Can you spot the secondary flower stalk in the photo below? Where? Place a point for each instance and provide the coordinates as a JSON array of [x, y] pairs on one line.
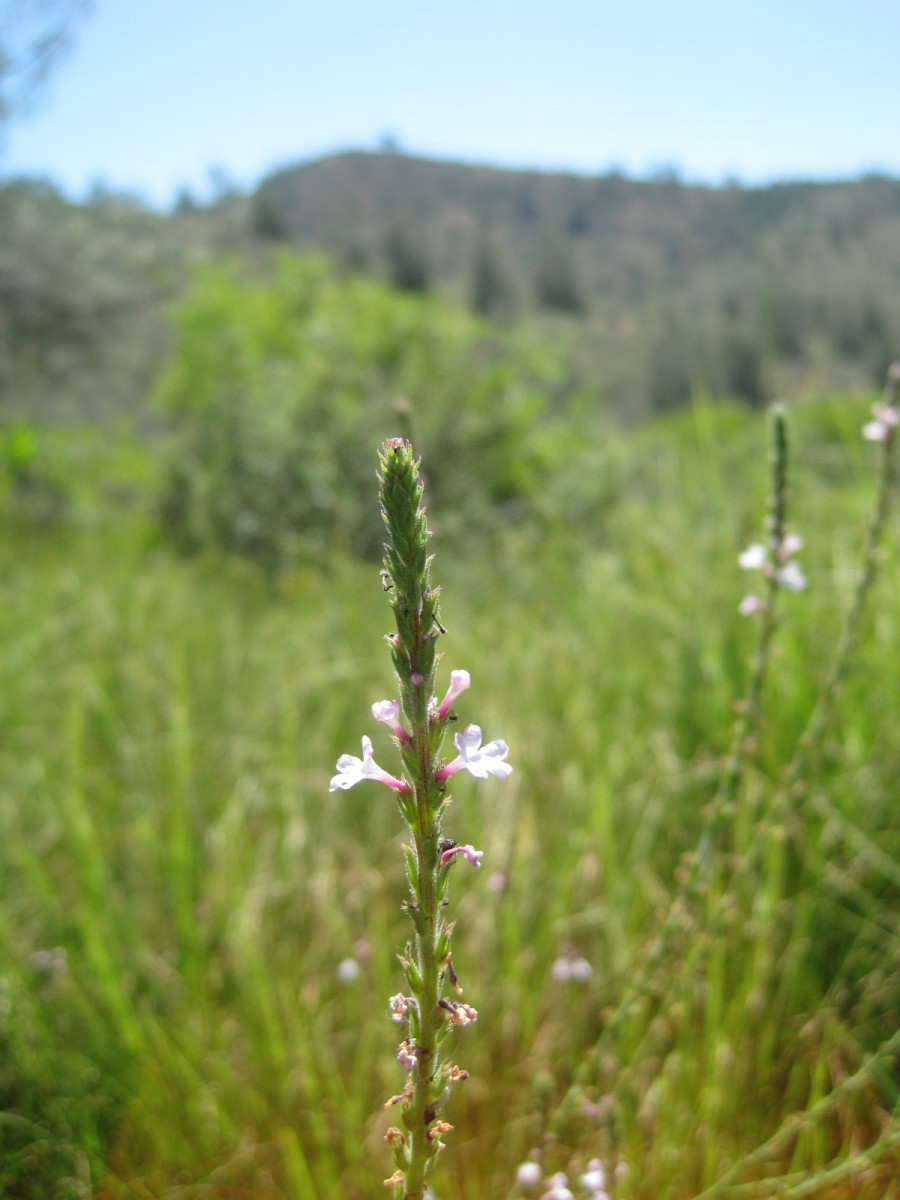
[[418, 723]]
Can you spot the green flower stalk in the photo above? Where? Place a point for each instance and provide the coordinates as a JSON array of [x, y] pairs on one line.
[[418, 723]]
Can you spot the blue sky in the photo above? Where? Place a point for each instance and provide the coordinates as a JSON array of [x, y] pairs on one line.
[[154, 95]]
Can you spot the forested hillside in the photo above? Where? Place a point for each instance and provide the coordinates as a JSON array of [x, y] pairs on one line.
[[667, 285], [652, 289]]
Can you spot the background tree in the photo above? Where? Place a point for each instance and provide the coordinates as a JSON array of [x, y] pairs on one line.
[[33, 37], [556, 283], [408, 263], [491, 289]]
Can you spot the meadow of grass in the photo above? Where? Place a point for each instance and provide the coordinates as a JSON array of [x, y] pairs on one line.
[[180, 889]]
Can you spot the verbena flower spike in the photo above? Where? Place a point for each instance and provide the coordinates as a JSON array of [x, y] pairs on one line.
[[418, 723]]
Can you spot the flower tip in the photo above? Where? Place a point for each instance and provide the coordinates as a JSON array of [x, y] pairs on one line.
[[459, 682]]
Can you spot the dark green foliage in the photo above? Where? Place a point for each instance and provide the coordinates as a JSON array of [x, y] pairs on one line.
[[81, 292], [31, 494], [491, 289], [556, 284], [671, 362], [782, 287], [406, 251], [267, 220]]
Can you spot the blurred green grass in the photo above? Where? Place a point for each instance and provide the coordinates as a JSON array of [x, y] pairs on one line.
[[169, 729]]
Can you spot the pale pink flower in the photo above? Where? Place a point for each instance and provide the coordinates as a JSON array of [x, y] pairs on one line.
[[791, 544], [559, 1189], [459, 681], [571, 966], [468, 852], [750, 604], [478, 760], [353, 770], [388, 712]]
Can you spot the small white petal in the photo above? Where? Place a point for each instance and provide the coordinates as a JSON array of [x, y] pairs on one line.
[[479, 760], [753, 557], [353, 770], [791, 577], [350, 772]]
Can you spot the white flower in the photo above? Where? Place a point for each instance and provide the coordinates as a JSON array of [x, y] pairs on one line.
[[594, 1178], [787, 574], [753, 558], [478, 760], [791, 577], [528, 1175], [353, 770], [886, 419], [348, 970], [559, 1189]]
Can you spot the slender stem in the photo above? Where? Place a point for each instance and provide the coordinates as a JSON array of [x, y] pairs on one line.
[[418, 1118], [414, 602], [678, 917]]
